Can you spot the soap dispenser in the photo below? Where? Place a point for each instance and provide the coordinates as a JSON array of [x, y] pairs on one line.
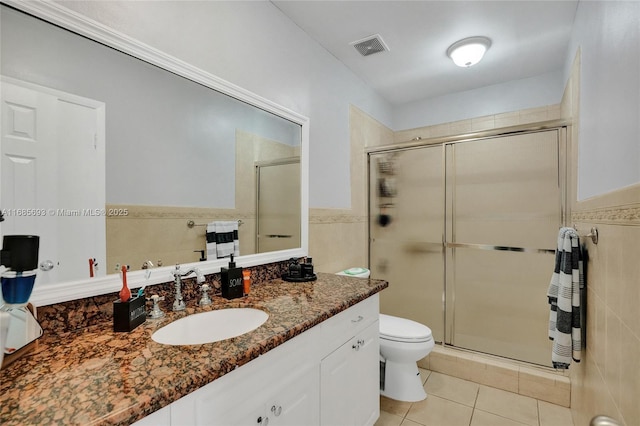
[[232, 285]]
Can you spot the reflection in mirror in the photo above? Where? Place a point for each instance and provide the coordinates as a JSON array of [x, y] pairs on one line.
[[22, 329], [138, 153]]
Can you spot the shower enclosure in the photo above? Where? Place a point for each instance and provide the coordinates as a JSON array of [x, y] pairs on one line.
[[465, 231]]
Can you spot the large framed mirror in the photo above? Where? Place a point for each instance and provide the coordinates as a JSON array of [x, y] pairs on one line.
[[143, 154]]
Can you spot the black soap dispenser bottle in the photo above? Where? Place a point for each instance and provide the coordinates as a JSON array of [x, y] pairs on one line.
[[232, 285]]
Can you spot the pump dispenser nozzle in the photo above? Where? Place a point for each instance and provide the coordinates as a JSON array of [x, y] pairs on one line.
[[232, 264]]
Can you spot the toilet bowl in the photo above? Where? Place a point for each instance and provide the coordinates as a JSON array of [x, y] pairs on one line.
[[402, 343]]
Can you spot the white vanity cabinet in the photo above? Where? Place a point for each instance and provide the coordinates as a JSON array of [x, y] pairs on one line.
[[350, 381], [286, 378], [327, 375], [350, 375]]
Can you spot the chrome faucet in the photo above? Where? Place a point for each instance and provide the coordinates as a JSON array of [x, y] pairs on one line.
[[178, 303]]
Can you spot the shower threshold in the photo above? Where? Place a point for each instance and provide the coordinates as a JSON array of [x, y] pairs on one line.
[[526, 379]]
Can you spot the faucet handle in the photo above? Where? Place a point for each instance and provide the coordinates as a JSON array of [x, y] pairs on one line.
[[156, 312], [205, 300]]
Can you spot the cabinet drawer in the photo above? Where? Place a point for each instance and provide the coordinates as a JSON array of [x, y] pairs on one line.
[[343, 326]]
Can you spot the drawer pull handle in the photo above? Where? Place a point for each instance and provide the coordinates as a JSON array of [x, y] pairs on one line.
[[276, 410], [360, 318]]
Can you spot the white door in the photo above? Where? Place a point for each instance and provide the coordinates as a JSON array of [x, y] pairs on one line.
[[278, 207], [52, 159]]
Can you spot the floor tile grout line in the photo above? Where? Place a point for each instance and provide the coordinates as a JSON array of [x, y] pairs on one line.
[[538, 421]]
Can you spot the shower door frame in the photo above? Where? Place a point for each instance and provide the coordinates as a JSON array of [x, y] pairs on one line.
[[563, 144]]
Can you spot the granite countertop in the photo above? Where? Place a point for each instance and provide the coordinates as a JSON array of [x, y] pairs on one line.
[[98, 376]]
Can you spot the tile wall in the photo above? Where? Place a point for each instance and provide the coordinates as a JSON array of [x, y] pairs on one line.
[[607, 381]]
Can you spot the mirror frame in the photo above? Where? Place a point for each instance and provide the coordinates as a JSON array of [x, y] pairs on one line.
[[84, 26]]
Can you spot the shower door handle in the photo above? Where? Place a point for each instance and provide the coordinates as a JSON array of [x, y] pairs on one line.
[[499, 248], [423, 247]]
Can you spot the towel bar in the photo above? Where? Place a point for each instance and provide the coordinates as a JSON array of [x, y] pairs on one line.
[[593, 234], [191, 223]]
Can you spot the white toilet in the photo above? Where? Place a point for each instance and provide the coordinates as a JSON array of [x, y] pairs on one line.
[[402, 343]]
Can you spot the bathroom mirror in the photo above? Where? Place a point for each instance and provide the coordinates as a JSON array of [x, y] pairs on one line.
[[181, 149]]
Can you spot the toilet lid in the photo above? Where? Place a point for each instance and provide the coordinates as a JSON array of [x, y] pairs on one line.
[[403, 330]]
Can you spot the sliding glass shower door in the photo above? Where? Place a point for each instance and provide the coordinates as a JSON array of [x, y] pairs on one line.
[[406, 233], [503, 214], [465, 232]]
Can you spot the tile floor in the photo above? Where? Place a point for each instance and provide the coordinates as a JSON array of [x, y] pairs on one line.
[[456, 402]]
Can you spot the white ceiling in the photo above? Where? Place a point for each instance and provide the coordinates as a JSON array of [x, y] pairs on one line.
[[529, 38]]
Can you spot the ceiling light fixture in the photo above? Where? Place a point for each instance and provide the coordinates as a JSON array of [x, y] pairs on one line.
[[468, 51]]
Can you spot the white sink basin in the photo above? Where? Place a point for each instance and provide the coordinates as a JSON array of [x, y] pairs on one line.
[[209, 327]]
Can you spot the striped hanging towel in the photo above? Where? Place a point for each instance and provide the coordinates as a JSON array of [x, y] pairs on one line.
[[564, 292], [222, 239]]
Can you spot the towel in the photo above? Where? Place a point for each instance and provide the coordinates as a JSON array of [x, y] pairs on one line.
[[222, 239], [567, 282]]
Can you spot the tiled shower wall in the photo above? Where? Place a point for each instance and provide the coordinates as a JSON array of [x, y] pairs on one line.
[[607, 381]]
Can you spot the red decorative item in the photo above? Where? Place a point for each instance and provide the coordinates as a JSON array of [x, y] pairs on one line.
[[125, 293]]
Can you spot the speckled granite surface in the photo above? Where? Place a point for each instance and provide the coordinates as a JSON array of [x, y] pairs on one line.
[[96, 376]]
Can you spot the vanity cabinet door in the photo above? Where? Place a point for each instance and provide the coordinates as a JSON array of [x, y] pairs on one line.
[[368, 375], [296, 402], [350, 381], [286, 377], [284, 401]]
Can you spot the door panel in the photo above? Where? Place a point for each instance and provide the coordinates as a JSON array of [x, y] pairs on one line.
[[63, 196], [500, 303], [407, 252], [278, 207], [504, 214], [507, 191]]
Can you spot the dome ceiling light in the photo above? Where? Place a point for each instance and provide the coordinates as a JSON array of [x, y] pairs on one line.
[[468, 51]]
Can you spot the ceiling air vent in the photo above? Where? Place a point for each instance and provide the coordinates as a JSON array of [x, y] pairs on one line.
[[370, 45]]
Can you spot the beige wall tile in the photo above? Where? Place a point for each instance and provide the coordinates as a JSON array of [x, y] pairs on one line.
[[630, 376], [630, 279], [613, 355], [534, 115], [412, 134], [460, 127], [483, 123], [336, 246], [496, 374], [544, 388], [445, 364], [507, 119]]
